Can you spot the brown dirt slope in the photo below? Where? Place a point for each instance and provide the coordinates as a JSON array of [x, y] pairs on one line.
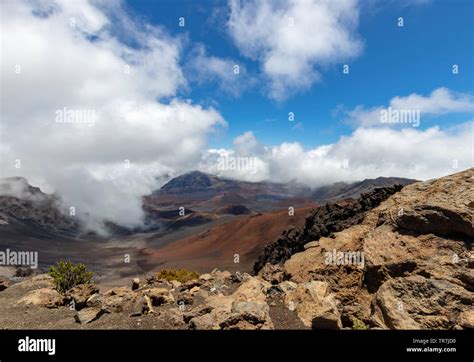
[[245, 235]]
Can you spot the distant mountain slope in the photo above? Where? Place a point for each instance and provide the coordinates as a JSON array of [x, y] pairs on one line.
[[190, 182], [244, 235], [234, 210], [26, 210], [197, 189], [226, 199], [29, 211], [207, 185], [341, 190]]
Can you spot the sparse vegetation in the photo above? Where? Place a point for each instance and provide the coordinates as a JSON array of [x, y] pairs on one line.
[[66, 275], [181, 275], [358, 324]]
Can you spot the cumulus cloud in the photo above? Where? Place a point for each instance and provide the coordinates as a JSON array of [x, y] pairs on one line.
[[230, 75], [90, 116], [441, 101], [293, 39], [247, 144], [366, 153]]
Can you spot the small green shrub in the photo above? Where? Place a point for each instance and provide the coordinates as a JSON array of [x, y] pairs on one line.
[[67, 275], [358, 324], [181, 275]]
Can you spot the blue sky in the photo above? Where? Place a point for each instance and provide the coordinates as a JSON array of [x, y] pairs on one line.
[[395, 61]]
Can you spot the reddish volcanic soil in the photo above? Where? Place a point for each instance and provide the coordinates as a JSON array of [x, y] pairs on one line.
[[245, 235]]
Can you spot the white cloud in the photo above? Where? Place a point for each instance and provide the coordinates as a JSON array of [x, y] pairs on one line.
[[247, 144], [86, 67], [441, 101], [366, 153], [229, 74], [293, 39]]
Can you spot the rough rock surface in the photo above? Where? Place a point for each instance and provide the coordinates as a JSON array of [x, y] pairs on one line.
[[81, 294], [89, 315], [43, 297], [416, 302], [316, 307], [413, 274]]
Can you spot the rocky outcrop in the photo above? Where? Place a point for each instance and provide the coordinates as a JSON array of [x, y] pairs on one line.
[[416, 302], [80, 295], [159, 296], [323, 221], [43, 297], [316, 307], [407, 265], [246, 308]]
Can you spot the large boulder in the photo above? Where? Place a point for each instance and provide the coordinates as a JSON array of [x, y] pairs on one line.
[[138, 306], [252, 289], [272, 273], [88, 315], [218, 309], [345, 280], [80, 294], [416, 302], [315, 305], [225, 312], [435, 219], [466, 319], [159, 296], [42, 297], [120, 299], [248, 315]]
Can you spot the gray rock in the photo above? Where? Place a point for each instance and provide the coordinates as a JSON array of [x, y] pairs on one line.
[[89, 315], [94, 301], [258, 309], [138, 307]]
